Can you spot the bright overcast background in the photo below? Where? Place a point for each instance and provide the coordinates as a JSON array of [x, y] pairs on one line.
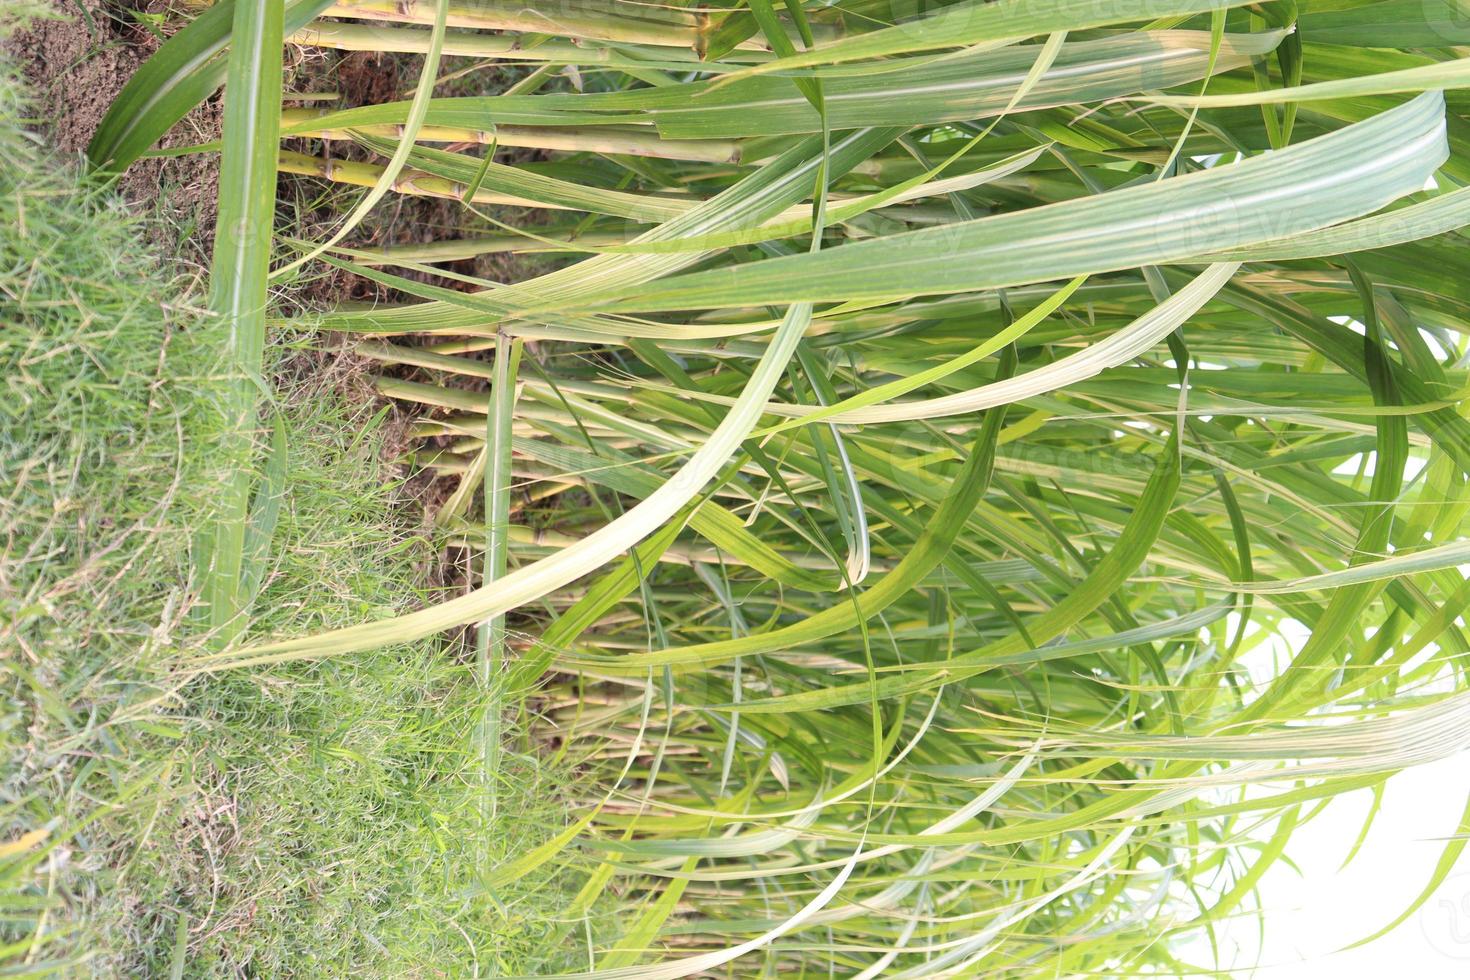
[[1316, 909], [1314, 906]]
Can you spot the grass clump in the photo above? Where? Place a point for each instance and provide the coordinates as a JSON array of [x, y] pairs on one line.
[[332, 813], [318, 820]]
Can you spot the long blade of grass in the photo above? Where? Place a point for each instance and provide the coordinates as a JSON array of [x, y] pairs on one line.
[[490, 634], [243, 237], [1393, 154]]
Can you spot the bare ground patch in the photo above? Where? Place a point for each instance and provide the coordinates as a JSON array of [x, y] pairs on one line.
[[76, 62]]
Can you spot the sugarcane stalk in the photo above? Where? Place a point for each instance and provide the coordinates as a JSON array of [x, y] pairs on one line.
[[658, 26], [411, 182], [593, 20], [679, 553], [468, 248], [632, 142], [472, 44]]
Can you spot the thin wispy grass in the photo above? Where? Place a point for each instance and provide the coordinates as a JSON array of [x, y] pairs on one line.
[[151, 822]]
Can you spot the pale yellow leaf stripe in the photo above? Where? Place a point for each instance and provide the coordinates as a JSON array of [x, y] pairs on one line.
[[530, 582], [1128, 343]]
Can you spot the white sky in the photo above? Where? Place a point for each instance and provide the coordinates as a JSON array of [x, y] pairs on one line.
[[1317, 907], [1312, 914]]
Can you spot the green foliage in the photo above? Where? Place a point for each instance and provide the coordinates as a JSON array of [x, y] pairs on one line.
[[320, 821], [905, 606], [90, 460]]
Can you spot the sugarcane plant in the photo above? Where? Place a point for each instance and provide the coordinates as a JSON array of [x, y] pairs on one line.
[[893, 497]]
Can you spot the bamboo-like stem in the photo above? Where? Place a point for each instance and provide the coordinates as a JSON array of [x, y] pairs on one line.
[[540, 404], [434, 395], [677, 553], [490, 637], [418, 183], [421, 184], [632, 142], [460, 399], [589, 19], [412, 182], [593, 20], [420, 357], [463, 345], [472, 44], [468, 248]]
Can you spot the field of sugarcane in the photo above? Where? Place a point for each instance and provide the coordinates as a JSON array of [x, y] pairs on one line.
[[879, 499]]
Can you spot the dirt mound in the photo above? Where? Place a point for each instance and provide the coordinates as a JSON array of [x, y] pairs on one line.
[[76, 62]]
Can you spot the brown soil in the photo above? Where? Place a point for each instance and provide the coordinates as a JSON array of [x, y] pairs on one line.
[[76, 63]]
